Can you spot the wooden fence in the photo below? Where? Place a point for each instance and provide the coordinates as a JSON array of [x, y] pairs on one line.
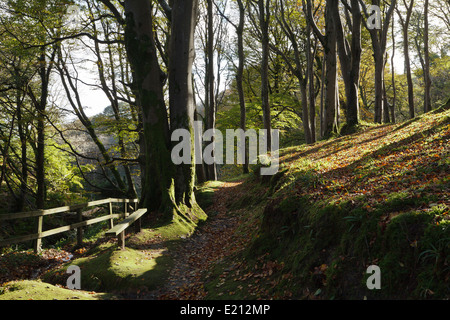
[[40, 214]]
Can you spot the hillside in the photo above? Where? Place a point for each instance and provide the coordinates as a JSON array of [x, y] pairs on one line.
[[380, 196]]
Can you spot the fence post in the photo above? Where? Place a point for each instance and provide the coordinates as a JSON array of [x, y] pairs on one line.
[[111, 221], [126, 208], [38, 242], [80, 229], [137, 226], [121, 240], [137, 223]]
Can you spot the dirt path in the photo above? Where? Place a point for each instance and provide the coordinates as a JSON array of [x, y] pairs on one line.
[[193, 258]]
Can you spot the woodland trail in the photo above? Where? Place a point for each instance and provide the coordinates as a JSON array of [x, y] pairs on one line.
[[208, 245]]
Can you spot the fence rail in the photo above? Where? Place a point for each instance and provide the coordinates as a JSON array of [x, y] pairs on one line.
[[39, 214]]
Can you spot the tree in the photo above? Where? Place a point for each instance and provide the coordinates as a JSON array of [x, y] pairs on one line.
[[17, 75], [211, 64], [394, 89], [239, 27], [210, 99], [167, 188], [264, 16], [184, 13], [109, 152], [36, 41], [426, 67], [329, 116], [349, 55], [379, 42], [108, 70], [404, 21], [157, 188], [296, 65], [240, 75]]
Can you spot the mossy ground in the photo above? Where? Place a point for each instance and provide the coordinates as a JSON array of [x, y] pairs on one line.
[[38, 290], [119, 271]]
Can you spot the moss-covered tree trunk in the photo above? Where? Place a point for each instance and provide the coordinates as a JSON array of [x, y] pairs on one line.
[[181, 95], [157, 188]]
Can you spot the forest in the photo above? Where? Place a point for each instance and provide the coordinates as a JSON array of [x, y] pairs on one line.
[[237, 149]]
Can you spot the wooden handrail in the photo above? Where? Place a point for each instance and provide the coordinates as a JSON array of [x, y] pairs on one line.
[[74, 208], [62, 229], [119, 229], [126, 223]]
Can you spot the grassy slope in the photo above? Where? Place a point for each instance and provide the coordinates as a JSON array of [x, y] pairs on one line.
[[38, 290], [380, 196]]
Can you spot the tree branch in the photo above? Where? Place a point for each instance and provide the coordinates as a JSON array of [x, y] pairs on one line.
[[114, 11]]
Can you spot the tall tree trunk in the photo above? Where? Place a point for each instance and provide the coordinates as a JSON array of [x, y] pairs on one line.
[[412, 113], [210, 92], [44, 75], [167, 187], [379, 106], [264, 20], [305, 112], [298, 71], [386, 112], [40, 161], [40, 106], [405, 26], [157, 189], [312, 95], [394, 89], [322, 98], [331, 98], [23, 156], [200, 171], [379, 39], [426, 71], [181, 94], [350, 59], [199, 164], [329, 115], [240, 77]]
